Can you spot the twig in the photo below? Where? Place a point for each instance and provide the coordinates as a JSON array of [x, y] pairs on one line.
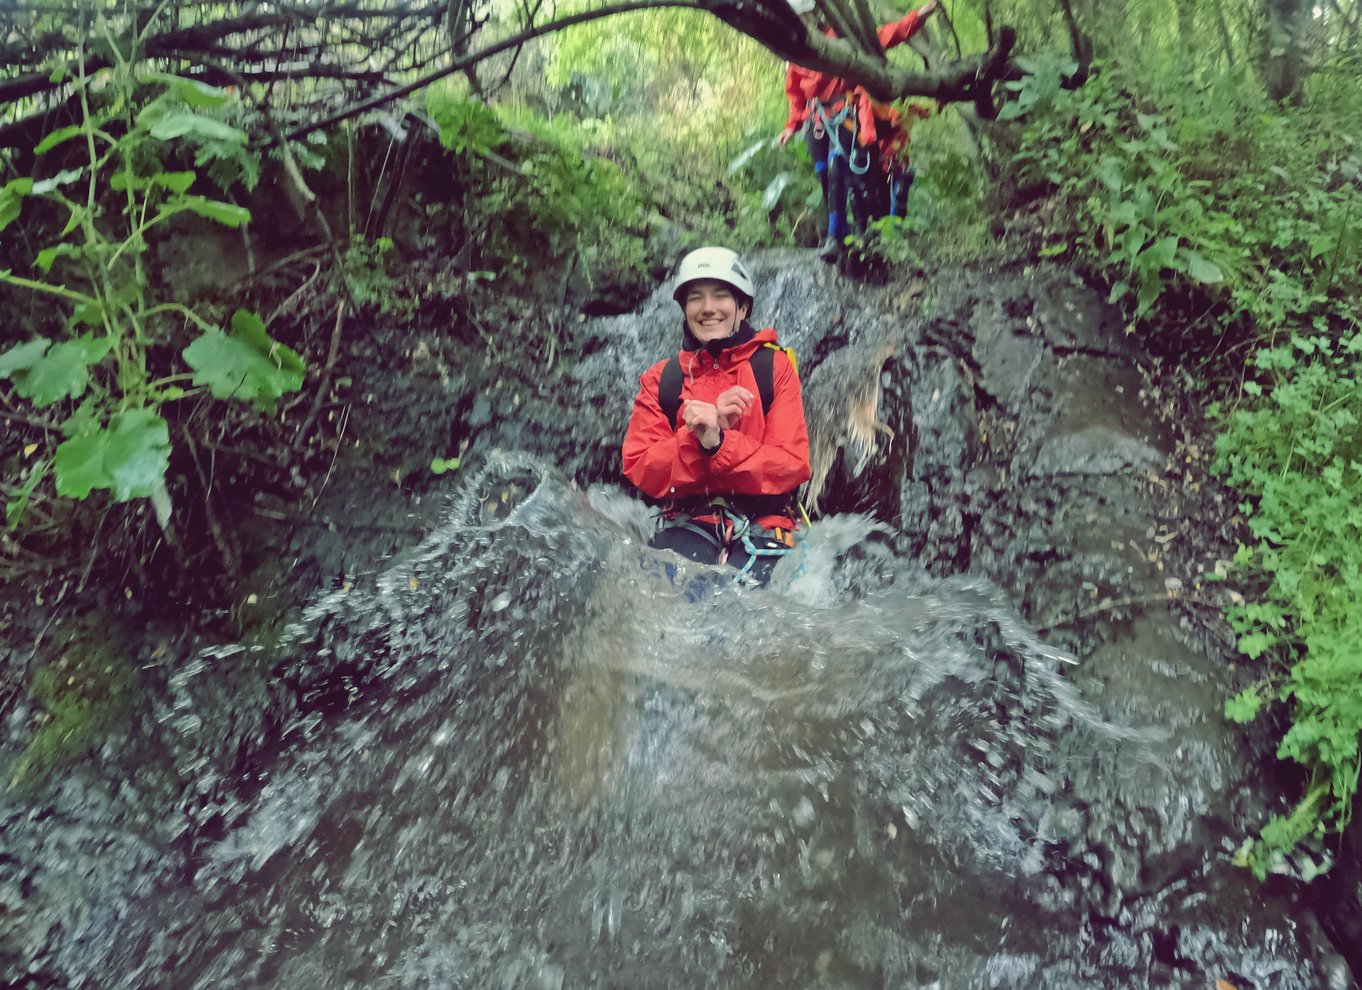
[[300, 437], [1108, 606], [30, 421], [220, 539], [335, 453]]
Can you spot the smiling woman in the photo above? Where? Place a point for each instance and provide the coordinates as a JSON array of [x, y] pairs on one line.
[[712, 310], [723, 466]]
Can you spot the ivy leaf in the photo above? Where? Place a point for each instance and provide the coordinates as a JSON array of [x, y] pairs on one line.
[[176, 182], [167, 125], [59, 136], [227, 214], [190, 91], [247, 365], [130, 458], [1205, 272], [64, 372], [22, 357]]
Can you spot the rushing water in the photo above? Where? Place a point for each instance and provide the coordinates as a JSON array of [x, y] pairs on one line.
[[533, 753], [566, 766]]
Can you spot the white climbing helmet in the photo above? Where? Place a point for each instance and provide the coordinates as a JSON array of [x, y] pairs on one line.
[[800, 6], [717, 263]]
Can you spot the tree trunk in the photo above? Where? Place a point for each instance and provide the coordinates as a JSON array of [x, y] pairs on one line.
[[1226, 42], [1283, 69]]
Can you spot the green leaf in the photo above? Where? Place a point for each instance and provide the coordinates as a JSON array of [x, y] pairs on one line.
[[15, 508], [1243, 707], [176, 182], [48, 256], [190, 91], [63, 178], [247, 365], [64, 372], [87, 314], [1011, 111], [771, 194], [59, 136], [123, 181], [1205, 272], [130, 458], [743, 159], [83, 420], [1160, 253], [22, 357], [227, 214], [73, 220], [440, 465], [12, 199], [166, 125]]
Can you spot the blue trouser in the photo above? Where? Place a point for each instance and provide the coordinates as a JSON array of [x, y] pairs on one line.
[[831, 169]]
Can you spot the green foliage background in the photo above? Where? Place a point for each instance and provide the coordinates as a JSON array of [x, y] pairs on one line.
[[1226, 223]]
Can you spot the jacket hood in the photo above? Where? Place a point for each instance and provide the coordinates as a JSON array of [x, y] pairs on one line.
[[728, 351], [690, 342]]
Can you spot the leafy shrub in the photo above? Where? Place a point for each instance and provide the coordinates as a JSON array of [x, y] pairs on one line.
[[115, 192], [1203, 186], [541, 193], [1297, 457], [1136, 207]]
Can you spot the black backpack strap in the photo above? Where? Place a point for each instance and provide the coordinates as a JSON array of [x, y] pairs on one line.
[[763, 370], [669, 390]]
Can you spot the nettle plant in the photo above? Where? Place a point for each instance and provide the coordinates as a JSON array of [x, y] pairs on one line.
[[96, 265], [1296, 453], [1140, 211]]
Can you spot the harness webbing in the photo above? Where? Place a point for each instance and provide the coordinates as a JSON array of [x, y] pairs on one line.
[[831, 125], [733, 526]]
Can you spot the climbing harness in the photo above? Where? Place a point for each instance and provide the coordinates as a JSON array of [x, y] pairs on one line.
[[731, 527], [831, 126], [731, 524]]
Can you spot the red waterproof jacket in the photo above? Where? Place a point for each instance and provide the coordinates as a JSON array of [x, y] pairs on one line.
[[805, 85], [764, 454]]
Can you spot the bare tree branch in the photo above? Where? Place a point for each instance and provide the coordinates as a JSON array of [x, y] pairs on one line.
[[299, 42]]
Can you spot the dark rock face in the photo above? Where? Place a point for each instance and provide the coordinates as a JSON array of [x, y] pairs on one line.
[[907, 786], [1339, 897]]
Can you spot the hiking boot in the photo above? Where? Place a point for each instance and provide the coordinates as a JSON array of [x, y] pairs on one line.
[[830, 250]]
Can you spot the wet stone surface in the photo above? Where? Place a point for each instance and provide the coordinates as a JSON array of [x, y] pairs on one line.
[[970, 737]]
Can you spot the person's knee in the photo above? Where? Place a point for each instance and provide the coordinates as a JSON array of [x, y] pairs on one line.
[[687, 542]]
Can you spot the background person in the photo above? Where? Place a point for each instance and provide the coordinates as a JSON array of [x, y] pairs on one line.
[[841, 122]]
